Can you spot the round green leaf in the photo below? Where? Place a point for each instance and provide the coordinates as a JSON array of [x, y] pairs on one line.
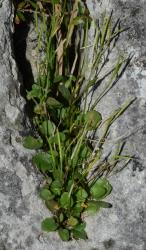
[[54, 139], [65, 92], [45, 194], [56, 174], [39, 109], [81, 195], [98, 192], [101, 189], [92, 207], [35, 92], [77, 209], [79, 231], [52, 205], [49, 225], [64, 234], [65, 200], [47, 128], [53, 103], [80, 227], [32, 143], [79, 234], [72, 221], [56, 187], [93, 118], [43, 161]]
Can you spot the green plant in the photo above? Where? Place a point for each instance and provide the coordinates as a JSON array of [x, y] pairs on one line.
[[75, 172], [21, 7], [25, 7]]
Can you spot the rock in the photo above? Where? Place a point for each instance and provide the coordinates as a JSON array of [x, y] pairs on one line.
[[21, 210], [123, 226], [19, 223]]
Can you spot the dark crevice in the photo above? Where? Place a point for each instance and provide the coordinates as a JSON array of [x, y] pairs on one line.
[[24, 66], [25, 74]]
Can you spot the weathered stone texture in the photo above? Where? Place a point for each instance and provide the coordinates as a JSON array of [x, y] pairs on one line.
[[124, 226]]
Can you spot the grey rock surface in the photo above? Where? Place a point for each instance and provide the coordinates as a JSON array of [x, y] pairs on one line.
[[124, 226]]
